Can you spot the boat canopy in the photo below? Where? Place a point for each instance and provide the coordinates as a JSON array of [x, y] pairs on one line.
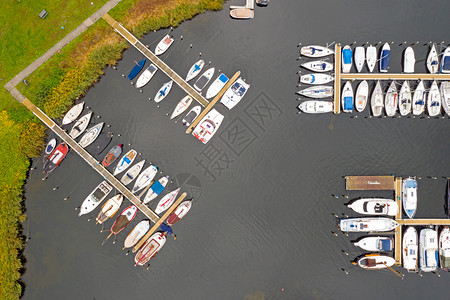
[[347, 56], [411, 184], [348, 103], [431, 257], [385, 57], [238, 89], [446, 63], [157, 187], [223, 78], [385, 245]]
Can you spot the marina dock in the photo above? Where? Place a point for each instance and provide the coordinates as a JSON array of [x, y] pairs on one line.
[[337, 78], [369, 183], [155, 60]]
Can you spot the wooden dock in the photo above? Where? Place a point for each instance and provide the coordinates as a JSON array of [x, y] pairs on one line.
[[155, 60], [394, 76], [95, 164], [369, 183], [398, 231], [337, 78]]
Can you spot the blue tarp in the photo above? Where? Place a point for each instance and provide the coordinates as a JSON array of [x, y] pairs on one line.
[[347, 56], [385, 245], [166, 228], [446, 64], [136, 69], [411, 183], [385, 57], [157, 187], [348, 103], [223, 78]]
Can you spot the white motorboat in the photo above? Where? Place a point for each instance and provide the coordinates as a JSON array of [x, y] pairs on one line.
[[195, 70], [145, 77], [208, 126], [374, 206], [409, 60], [95, 198], [145, 178], [203, 80], [405, 99], [376, 243], [136, 234], [361, 96], [90, 135], [377, 100], [367, 224], [316, 78], [181, 106], [445, 96], [347, 59], [410, 246], [385, 57], [445, 61], [347, 98], [433, 60], [156, 189], [316, 106], [375, 261], [80, 125], [409, 196], [317, 91], [315, 51], [216, 86], [434, 100], [51, 145], [418, 101], [192, 115], [163, 91], [444, 249], [109, 209], [428, 250], [360, 58], [166, 201], [318, 66], [390, 101], [234, 93], [132, 173], [163, 45], [125, 161], [73, 113], [371, 57]]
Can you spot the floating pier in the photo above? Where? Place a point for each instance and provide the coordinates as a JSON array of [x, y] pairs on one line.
[[337, 78], [369, 183]]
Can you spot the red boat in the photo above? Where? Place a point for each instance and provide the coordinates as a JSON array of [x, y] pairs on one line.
[[179, 212], [55, 158]]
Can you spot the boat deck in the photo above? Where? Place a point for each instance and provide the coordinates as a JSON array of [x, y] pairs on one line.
[[249, 4], [369, 183]]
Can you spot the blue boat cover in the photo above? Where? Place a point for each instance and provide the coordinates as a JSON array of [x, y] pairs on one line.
[[385, 57], [446, 63], [157, 187], [385, 245], [223, 78], [166, 228], [136, 69], [411, 184], [347, 56], [348, 103]]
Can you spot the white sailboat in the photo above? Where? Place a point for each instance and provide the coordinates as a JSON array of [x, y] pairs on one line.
[[316, 106], [360, 58], [391, 99], [132, 173], [362, 95], [73, 113], [376, 101], [434, 100], [315, 51], [163, 91], [409, 60], [418, 101], [405, 99], [433, 60], [371, 57], [318, 66], [316, 78], [445, 95]]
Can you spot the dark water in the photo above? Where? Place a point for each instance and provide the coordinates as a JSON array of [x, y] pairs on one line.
[[261, 226]]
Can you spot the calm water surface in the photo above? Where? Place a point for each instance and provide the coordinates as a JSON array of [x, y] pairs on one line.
[[261, 223]]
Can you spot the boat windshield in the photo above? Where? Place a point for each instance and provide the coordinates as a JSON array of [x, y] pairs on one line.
[[152, 68], [446, 63], [97, 195]]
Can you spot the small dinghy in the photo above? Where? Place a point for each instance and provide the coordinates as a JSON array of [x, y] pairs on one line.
[[50, 146], [149, 249], [375, 261], [166, 201], [132, 173], [80, 126], [179, 212], [374, 206], [145, 178], [371, 57], [192, 115], [315, 51], [73, 113], [418, 101], [318, 91], [445, 96], [433, 60], [216, 86], [390, 103], [195, 70], [385, 57], [361, 96], [445, 61], [318, 66], [156, 189], [405, 99], [376, 243], [367, 224], [91, 135], [136, 69], [434, 100], [95, 198], [409, 60], [316, 106], [203, 80], [181, 106], [409, 196], [377, 100], [208, 126], [109, 209], [410, 246], [444, 249], [125, 161], [55, 158], [235, 93], [360, 58], [101, 143], [136, 234], [347, 58], [316, 78], [428, 250], [112, 155], [163, 45], [347, 98], [146, 76], [123, 220], [242, 13], [163, 91]]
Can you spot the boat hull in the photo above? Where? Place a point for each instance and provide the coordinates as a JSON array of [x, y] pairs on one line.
[[376, 243], [55, 158], [375, 206], [362, 96], [367, 224], [316, 106], [109, 209], [410, 247], [156, 189], [95, 198], [377, 100], [234, 94], [136, 233], [125, 161], [375, 262], [179, 212], [91, 135], [208, 126], [136, 69], [124, 219], [73, 114], [166, 201], [315, 51], [112, 155], [428, 250], [149, 249], [409, 196], [80, 126]]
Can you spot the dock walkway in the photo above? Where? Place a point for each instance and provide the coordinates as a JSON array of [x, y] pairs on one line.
[[155, 60], [337, 78]]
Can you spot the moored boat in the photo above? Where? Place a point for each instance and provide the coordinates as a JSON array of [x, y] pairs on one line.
[[316, 78], [375, 261], [163, 91], [51, 145], [91, 135], [208, 126], [55, 158], [317, 91], [376, 243], [125, 161], [123, 220], [377, 100], [410, 246], [195, 70], [163, 45], [234, 93], [145, 178], [434, 100], [136, 69], [146, 76], [409, 196], [166, 201], [409, 60], [385, 57], [150, 248], [318, 66], [80, 125], [109, 209], [95, 198], [242, 13], [132, 172], [347, 98], [112, 155], [445, 95], [390, 101], [316, 106], [445, 61], [73, 113], [101, 142], [136, 234], [315, 51], [444, 249], [374, 206], [433, 60], [361, 96], [181, 106], [156, 189], [347, 58], [367, 224], [192, 115], [405, 99], [216, 86], [203, 80], [179, 212], [360, 58], [371, 57], [428, 250], [418, 101]]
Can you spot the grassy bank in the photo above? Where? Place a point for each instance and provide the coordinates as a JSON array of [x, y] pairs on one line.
[[55, 86]]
